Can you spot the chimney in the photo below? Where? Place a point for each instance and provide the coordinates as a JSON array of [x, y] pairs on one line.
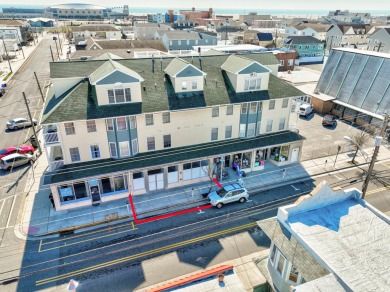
[[153, 64]]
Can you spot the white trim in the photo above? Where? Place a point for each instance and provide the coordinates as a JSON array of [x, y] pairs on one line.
[[117, 127], [128, 148], [116, 150], [139, 78]]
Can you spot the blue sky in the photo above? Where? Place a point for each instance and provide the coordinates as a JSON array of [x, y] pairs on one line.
[[352, 5]]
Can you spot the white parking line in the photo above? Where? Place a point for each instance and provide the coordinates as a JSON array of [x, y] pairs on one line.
[[1, 209], [10, 212], [295, 189]]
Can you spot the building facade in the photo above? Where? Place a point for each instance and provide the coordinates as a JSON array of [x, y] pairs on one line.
[[185, 40], [109, 32], [347, 35], [309, 49], [77, 11], [379, 41], [139, 125]]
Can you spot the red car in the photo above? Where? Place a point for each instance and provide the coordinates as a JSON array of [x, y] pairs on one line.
[[21, 150]]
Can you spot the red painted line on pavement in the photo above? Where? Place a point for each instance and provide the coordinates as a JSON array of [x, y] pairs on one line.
[[217, 182], [159, 217], [191, 278]]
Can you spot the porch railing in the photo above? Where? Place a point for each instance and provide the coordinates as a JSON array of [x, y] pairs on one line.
[[53, 165], [51, 138]]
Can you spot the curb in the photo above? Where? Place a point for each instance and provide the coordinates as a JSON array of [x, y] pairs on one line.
[[144, 214]]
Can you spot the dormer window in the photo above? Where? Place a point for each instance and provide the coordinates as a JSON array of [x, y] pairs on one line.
[[121, 95], [252, 83]]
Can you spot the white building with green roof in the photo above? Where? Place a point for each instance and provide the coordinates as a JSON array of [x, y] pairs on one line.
[[114, 126]]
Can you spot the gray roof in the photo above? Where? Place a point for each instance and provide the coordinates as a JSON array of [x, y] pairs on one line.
[[181, 35], [162, 97], [76, 171], [301, 39], [110, 66], [146, 24], [318, 27], [113, 54], [235, 63], [357, 78], [212, 52], [326, 283], [93, 28], [343, 233]]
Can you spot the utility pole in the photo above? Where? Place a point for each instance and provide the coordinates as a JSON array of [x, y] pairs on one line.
[[58, 53], [378, 143], [32, 124], [52, 57], [6, 52], [59, 41], [39, 86]]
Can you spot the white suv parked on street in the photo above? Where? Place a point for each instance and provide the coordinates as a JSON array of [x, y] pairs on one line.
[[228, 194]]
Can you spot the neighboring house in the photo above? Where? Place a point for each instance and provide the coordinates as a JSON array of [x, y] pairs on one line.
[[250, 18], [347, 35], [16, 28], [258, 38], [270, 23], [156, 17], [147, 31], [109, 32], [286, 59], [346, 16], [183, 24], [327, 241], [140, 125], [316, 30], [379, 41], [194, 14], [125, 45], [359, 82], [309, 49], [185, 40]]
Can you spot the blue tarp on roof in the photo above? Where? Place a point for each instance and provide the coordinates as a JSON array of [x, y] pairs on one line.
[[265, 36]]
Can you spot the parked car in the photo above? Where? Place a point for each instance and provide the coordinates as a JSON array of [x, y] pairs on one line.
[[329, 120], [228, 194], [14, 160], [2, 92], [305, 109], [21, 150], [20, 123]]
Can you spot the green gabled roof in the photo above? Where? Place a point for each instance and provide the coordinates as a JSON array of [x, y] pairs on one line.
[[80, 103], [157, 91], [110, 66], [71, 103], [77, 171], [236, 63]]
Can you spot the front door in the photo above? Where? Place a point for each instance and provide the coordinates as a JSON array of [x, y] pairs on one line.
[[156, 180], [94, 190], [294, 155]]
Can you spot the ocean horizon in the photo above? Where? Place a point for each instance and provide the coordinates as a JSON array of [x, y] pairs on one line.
[[279, 12]]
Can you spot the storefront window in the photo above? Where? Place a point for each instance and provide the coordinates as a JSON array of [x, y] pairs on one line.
[[280, 153], [246, 160], [260, 157]]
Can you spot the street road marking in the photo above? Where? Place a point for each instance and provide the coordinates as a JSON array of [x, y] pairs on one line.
[[339, 178], [295, 189], [378, 190], [86, 240], [142, 254], [384, 164], [10, 212]]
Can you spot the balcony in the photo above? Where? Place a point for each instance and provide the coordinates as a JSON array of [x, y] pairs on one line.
[[54, 157], [50, 134]]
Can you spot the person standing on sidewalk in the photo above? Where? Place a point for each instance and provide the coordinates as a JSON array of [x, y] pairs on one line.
[[52, 200], [284, 172]]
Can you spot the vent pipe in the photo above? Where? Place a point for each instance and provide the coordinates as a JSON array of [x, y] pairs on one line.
[[153, 64], [200, 59]]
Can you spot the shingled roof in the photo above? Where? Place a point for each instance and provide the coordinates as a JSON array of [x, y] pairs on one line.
[[159, 94]]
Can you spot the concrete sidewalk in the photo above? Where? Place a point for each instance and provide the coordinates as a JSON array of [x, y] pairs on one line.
[[38, 218]]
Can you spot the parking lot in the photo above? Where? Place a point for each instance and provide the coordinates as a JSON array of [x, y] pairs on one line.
[[321, 141]]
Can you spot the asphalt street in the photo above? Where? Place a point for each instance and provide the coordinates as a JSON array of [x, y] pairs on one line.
[[12, 184], [126, 257]]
